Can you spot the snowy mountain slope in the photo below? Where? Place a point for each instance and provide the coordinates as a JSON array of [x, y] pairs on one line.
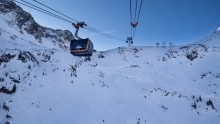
[[123, 85], [213, 40], [14, 19]]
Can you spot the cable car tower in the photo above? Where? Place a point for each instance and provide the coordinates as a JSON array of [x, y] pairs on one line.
[[129, 41]]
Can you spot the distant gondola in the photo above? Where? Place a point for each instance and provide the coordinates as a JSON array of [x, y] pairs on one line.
[[79, 46]]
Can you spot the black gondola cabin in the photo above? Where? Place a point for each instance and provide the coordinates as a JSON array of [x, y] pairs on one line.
[[81, 47]]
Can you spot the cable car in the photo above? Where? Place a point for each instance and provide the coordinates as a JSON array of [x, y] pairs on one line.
[[79, 46]]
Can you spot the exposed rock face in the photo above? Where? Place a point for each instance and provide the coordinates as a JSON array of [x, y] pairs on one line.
[[6, 58], [23, 21], [27, 56]]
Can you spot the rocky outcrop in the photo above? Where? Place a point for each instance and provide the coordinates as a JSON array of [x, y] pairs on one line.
[[6, 58], [25, 56], [7, 91], [23, 21]]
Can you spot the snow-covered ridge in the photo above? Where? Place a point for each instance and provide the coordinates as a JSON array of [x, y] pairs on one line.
[[14, 19], [217, 31], [213, 40]]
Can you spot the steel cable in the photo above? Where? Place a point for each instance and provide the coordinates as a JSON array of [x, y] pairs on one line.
[[54, 10], [91, 29], [46, 12], [56, 16]]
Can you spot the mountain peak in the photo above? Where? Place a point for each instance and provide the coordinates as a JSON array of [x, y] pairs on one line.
[[23, 24], [213, 40], [217, 30]]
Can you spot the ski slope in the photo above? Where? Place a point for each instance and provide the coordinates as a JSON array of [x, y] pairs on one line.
[[126, 85]]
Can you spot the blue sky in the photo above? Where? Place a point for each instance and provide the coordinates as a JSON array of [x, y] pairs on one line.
[[177, 21]]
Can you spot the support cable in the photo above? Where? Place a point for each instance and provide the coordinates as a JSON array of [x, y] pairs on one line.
[[46, 12], [56, 16], [89, 28], [54, 10], [139, 10], [133, 25], [135, 11]]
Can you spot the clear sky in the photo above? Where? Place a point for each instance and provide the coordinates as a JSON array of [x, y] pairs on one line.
[[177, 21]]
